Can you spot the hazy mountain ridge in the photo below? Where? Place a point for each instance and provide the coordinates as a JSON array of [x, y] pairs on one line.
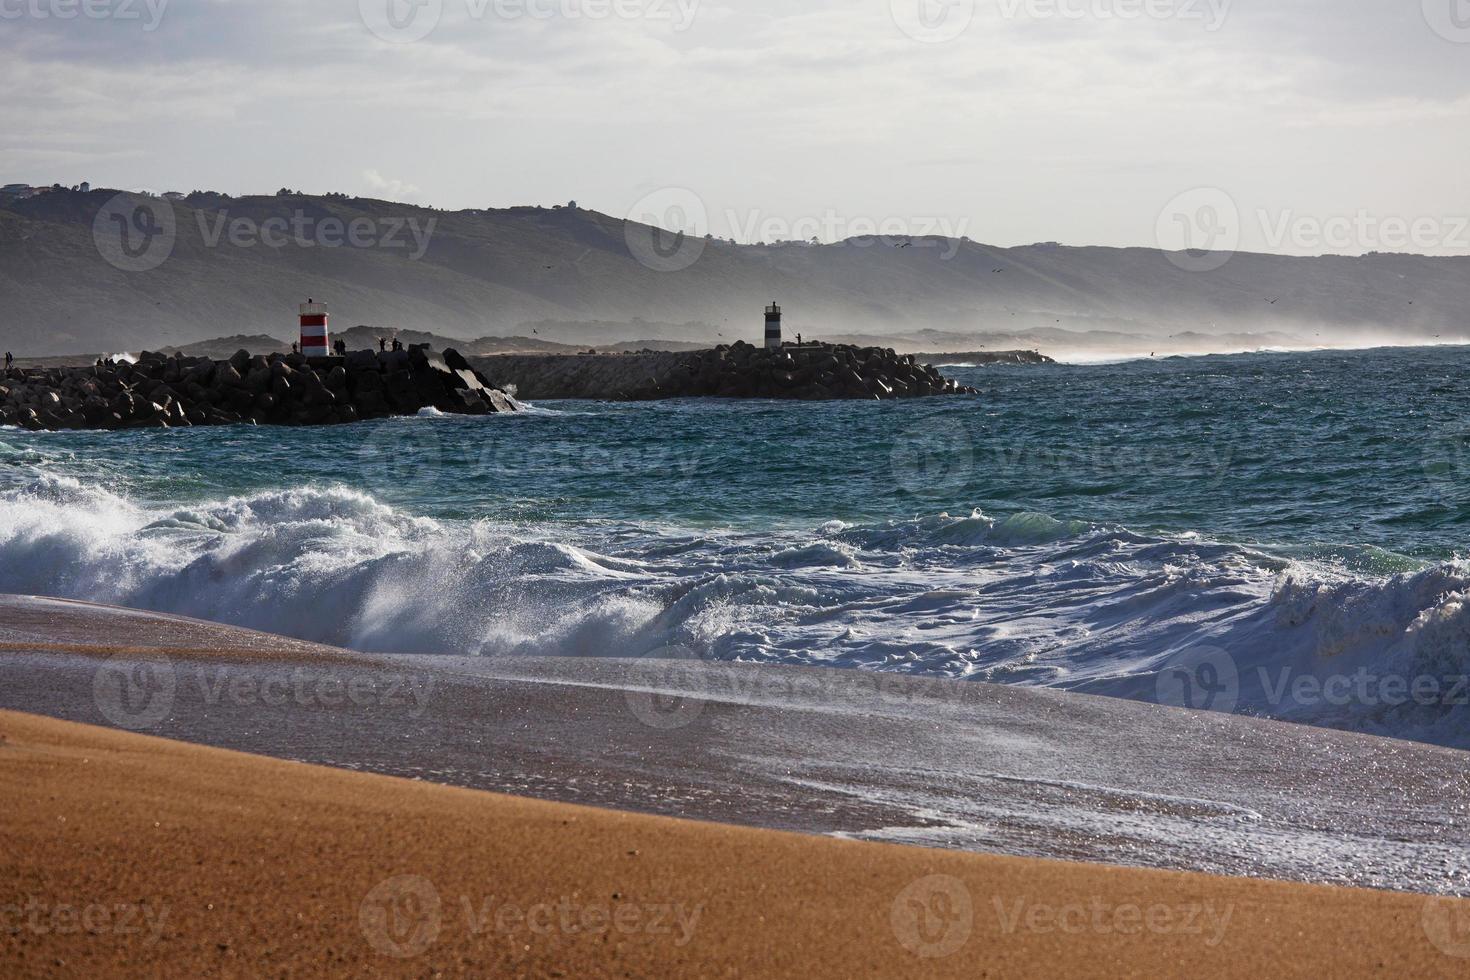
[[499, 272]]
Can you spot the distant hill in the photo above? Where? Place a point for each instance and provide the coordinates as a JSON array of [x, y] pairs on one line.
[[503, 273]]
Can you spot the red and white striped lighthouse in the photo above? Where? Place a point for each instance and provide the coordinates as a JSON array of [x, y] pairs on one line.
[[314, 329]]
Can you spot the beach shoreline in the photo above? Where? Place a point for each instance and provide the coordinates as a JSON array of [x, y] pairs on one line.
[[837, 753], [131, 854]]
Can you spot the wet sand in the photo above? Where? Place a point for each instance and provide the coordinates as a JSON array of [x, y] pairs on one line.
[[132, 855], [934, 762]]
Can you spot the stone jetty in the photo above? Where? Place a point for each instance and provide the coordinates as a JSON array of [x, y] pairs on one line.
[[159, 391], [740, 370]]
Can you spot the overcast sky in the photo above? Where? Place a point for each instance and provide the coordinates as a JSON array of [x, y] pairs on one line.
[[1010, 121]]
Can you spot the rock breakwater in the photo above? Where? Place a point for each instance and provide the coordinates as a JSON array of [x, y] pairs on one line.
[[160, 391], [739, 370]]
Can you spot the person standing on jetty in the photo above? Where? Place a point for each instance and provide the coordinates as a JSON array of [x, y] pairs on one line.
[[9, 360]]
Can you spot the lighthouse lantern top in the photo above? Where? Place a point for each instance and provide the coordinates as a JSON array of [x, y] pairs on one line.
[[773, 310], [313, 308]]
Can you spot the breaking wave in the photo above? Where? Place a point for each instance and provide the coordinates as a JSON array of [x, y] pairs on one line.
[[1025, 599]]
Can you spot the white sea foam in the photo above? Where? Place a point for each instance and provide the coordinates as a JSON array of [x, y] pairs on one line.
[[1027, 599]]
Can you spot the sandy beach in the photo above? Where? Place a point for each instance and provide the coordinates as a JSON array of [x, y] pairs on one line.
[[131, 855]]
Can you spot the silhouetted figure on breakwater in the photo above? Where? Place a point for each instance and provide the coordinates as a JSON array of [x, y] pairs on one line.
[[382, 344]]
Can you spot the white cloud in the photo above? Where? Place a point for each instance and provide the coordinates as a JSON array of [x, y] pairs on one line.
[[392, 189]]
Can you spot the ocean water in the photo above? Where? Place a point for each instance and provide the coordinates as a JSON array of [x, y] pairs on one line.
[[1272, 534]]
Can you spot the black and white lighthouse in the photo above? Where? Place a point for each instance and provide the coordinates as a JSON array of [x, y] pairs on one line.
[[773, 327]]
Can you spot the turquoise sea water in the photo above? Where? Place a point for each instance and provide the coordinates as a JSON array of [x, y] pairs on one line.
[[1077, 526]]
